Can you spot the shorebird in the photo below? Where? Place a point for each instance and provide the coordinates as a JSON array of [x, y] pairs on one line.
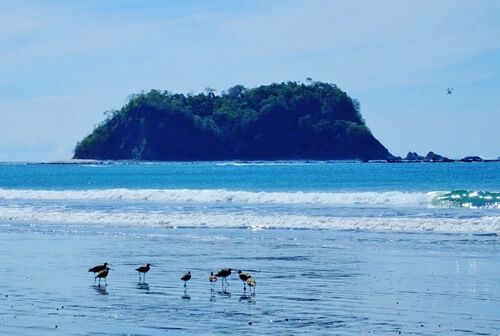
[[98, 268], [143, 270], [186, 277], [251, 284], [213, 279], [102, 274], [244, 277], [224, 273]]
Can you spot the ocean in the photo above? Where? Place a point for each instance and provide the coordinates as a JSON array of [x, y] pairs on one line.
[[345, 248]]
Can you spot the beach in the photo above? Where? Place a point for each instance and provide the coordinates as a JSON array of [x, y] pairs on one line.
[[308, 282], [335, 249]]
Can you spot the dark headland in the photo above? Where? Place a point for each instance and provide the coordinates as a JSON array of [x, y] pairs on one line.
[[287, 121]]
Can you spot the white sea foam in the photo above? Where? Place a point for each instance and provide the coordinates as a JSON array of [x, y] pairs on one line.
[[225, 196], [32, 215]]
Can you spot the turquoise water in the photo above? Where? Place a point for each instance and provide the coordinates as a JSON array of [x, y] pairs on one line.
[[280, 177], [451, 197], [335, 248]]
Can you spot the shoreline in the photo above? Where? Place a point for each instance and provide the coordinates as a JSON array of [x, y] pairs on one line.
[[306, 282], [236, 161]]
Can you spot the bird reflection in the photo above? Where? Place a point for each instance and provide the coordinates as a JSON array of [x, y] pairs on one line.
[[101, 289], [245, 298], [143, 286], [248, 298]]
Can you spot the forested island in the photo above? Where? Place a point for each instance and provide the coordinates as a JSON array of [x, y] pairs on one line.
[[286, 121]]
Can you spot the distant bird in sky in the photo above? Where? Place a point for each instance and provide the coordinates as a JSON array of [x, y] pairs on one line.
[[448, 91], [102, 274], [186, 277], [98, 268], [143, 270]]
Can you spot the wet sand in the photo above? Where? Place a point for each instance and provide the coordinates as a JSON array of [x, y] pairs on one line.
[[319, 282]]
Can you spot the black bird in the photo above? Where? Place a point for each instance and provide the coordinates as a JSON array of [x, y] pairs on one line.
[[103, 274], [98, 268], [244, 277], [448, 91], [143, 270], [186, 277], [224, 273]]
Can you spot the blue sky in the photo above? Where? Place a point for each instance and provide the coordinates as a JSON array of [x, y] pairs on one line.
[[64, 63]]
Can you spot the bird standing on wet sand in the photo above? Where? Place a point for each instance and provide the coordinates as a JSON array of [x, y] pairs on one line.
[[213, 279], [251, 284], [102, 274], [143, 270], [98, 268], [244, 277], [186, 277], [224, 273]]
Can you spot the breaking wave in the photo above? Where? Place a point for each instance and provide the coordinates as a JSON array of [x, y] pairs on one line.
[[255, 210], [222, 195], [487, 224], [469, 199], [457, 198]]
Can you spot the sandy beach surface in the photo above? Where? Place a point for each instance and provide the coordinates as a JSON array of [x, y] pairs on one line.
[[318, 282]]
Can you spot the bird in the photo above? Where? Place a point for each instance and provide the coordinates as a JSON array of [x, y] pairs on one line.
[[143, 270], [213, 279], [244, 277], [448, 91], [98, 268], [224, 273], [186, 277], [251, 283], [102, 274]]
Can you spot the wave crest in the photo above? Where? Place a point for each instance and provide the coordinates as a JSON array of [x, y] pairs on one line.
[[469, 199], [457, 198], [34, 217], [224, 196]]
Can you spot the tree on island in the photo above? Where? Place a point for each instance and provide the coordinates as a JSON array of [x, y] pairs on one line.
[[270, 122]]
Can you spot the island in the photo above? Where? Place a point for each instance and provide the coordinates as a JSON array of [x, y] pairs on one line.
[[281, 121]]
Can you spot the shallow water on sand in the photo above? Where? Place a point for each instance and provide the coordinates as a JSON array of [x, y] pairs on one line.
[[318, 282]]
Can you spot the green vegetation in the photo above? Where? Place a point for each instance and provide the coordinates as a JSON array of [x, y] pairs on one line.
[[278, 121]]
